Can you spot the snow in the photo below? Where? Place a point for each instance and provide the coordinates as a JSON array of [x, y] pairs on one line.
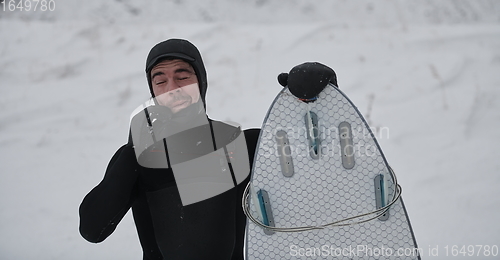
[[424, 73]]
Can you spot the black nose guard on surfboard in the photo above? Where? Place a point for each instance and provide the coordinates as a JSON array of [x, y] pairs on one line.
[[307, 80]]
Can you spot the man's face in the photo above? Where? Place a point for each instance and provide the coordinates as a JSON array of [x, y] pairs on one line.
[[175, 84]]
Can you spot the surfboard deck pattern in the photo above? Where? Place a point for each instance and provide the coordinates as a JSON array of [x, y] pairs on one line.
[[311, 178]]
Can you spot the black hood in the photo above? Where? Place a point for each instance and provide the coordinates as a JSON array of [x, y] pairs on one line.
[[178, 49]]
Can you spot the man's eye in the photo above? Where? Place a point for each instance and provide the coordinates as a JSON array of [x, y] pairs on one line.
[[159, 83], [183, 77]]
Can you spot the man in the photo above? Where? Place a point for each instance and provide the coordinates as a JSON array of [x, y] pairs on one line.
[[165, 173]]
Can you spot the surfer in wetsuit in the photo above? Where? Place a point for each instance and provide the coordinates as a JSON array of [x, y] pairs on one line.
[[212, 228]]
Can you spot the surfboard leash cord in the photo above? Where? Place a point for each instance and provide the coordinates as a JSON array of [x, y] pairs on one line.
[[340, 223]]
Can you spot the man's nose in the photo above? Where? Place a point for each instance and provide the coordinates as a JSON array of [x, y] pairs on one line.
[[172, 86]]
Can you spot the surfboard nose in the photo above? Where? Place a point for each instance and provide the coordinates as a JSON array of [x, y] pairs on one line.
[[307, 80]]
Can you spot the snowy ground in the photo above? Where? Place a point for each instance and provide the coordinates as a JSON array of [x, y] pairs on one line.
[[67, 88]]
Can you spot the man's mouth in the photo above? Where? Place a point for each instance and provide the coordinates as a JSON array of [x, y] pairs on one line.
[[179, 103]]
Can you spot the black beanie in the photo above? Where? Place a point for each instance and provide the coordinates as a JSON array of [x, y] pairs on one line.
[[178, 49]]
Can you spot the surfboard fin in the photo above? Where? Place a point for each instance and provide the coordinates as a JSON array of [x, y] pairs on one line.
[[346, 145], [284, 153], [381, 195], [313, 134], [255, 203], [267, 213]]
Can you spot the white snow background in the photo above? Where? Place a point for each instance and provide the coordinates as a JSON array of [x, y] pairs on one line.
[[428, 71]]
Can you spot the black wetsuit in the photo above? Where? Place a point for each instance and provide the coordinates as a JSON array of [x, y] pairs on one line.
[[211, 229]]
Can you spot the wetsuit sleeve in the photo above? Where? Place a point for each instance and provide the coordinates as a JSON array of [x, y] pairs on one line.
[[251, 137], [104, 207]]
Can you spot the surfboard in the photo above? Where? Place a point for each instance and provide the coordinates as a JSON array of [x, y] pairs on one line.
[[321, 187]]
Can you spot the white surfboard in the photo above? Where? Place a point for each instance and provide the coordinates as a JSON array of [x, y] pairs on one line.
[[321, 187]]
